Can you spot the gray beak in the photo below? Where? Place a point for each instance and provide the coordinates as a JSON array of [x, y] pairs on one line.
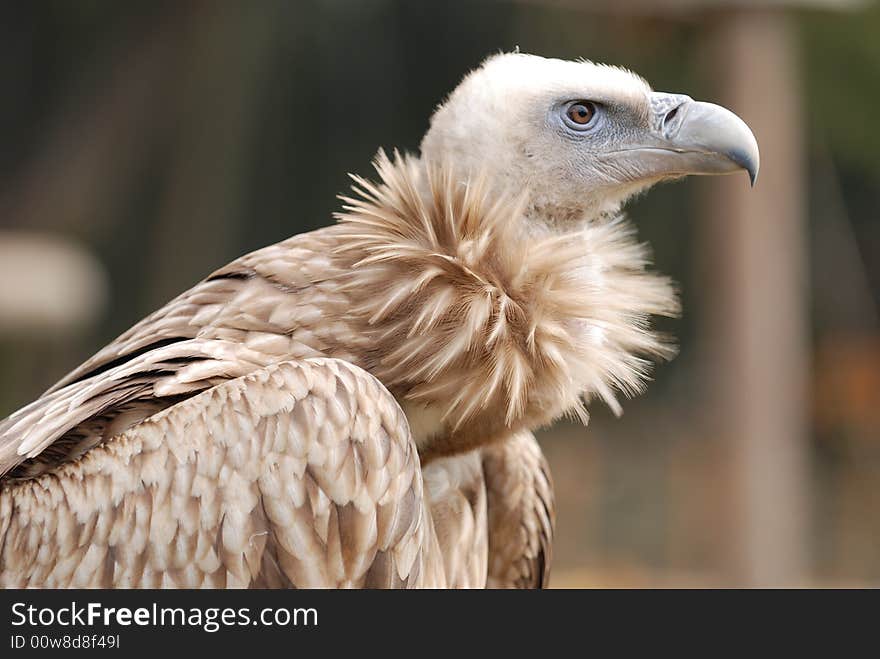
[[691, 137]]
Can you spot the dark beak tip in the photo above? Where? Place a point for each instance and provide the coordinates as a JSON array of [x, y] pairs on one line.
[[748, 163]]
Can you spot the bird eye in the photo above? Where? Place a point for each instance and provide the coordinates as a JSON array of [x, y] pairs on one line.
[[581, 113]]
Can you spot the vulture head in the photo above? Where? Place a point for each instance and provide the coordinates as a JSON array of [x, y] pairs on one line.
[[496, 268], [581, 137]]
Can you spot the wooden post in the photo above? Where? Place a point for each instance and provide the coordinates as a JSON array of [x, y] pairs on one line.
[[755, 301]]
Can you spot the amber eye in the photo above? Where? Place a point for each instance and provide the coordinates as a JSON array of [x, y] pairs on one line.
[[581, 112]]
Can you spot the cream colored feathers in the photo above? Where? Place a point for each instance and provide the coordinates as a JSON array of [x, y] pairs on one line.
[[477, 316]]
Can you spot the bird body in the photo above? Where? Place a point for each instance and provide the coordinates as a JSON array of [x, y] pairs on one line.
[[354, 406]]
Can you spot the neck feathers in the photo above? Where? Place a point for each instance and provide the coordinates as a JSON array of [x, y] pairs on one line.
[[494, 326]]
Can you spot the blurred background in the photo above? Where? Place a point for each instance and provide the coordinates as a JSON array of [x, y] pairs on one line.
[[145, 144]]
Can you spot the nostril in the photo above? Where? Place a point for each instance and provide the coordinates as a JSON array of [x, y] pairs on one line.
[[670, 115]]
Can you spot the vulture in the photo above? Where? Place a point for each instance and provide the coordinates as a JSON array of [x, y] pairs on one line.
[[354, 406]]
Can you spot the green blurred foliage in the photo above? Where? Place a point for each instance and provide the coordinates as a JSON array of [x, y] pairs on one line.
[[841, 80]]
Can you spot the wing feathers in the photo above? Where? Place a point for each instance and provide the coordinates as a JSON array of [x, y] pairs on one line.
[[253, 497], [521, 513]]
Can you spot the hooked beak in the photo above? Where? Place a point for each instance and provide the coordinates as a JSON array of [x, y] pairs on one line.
[[692, 137]]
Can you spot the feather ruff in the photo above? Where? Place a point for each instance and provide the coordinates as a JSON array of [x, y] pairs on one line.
[[471, 311]]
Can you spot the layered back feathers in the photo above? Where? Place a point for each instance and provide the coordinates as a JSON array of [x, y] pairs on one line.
[[473, 313]]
